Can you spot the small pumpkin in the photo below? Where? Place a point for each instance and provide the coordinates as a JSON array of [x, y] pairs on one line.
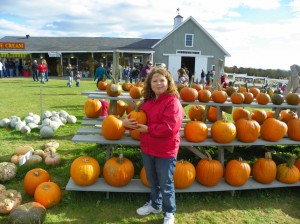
[[102, 85], [248, 130], [184, 174], [287, 115], [219, 96], [237, 172], [9, 200], [223, 131], [259, 115], [204, 95], [254, 90], [273, 129], [277, 99], [118, 171], [8, 171], [212, 114], [126, 86], [263, 98], [33, 178], [136, 92], [188, 94], [196, 112], [293, 131], [237, 98], [113, 89], [292, 98], [141, 118], [209, 172], [85, 170], [48, 194], [52, 159], [143, 177], [195, 131], [92, 108], [240, 112], [287, 172], [112, 128], [23, 149], [248, 97], [264, 169]]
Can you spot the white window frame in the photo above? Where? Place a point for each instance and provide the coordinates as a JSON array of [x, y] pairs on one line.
[[187, 41]]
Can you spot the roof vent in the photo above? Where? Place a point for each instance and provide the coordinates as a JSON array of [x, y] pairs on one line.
[[27, 36], [177, 20]]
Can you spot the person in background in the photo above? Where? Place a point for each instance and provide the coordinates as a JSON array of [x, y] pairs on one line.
[[42, 67], [159, 141], [101, 73], [127, 73], [77, 78], [208, 78], [202, 80], [224, 81], [70, 74], [35, 71], [134, 75], [182, 77], [145, 71], [1, 69], [47, 71]]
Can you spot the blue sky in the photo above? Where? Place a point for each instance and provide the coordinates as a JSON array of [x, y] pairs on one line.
[[259, 34]]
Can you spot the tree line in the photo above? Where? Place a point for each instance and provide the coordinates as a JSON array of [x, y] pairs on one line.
[[270, 73]]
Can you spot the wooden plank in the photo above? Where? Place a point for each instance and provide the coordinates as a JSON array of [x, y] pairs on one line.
[[136, 186], [126, 140]]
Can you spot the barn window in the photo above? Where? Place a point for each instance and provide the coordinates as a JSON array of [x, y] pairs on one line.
[[189, 39]]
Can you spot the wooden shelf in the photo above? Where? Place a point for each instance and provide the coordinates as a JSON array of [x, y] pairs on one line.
[[136, 186]]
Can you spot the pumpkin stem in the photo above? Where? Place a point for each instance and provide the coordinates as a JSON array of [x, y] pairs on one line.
[[291, 161], [268, 155], [121, 157], [208, 155], [36, 173]]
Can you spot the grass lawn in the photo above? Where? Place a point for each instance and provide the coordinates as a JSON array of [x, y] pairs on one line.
[[19, 96]]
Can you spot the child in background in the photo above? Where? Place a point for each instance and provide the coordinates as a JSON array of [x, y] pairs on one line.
[[77, 78]]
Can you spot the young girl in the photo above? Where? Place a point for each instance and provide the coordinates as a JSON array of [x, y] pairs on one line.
[[160, 139], [182, 77]]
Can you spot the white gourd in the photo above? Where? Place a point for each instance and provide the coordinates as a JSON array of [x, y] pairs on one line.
[[20, 125], [63, 113], [46, 121], [14, 120], [28, 119], [63, 120], [32, 125], [46, 132], [5, 122], [71, 119], [47, 114], [25, 129]]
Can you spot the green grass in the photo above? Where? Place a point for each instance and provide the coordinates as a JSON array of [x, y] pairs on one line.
[[20, 96]]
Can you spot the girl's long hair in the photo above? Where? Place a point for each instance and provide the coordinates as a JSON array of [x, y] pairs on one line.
[[172, 88]]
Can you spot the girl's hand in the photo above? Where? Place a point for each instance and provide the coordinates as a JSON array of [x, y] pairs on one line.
[[130, 123], [142, 128]]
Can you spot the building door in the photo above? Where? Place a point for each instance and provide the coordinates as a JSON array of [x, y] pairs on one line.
[[174, 64], [189, 62]]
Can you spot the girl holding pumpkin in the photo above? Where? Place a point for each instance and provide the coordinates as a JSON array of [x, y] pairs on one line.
[[160, 139]]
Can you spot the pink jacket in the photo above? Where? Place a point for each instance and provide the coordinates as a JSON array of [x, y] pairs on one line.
[[164, 116]]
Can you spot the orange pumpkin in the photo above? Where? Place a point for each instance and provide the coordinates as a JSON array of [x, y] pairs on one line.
[[204, 95], [297, 163], [195, 131], [254, 90], [287, 172], [247, 130], [143, 177], [263, 98], [287, 115], [219, 96], [85, 170], [188, 94], [102, 85], [270, 113], [292, 98], [113, 89], [121, 108], [129, 108], [293, 131], [33, 178], [264, 169], [239, 113], [212, 114], [209, 172], [223, 131], [237, 172], [47, 194], [118, 171], [196, 112], [112, 128], [92, 108], [237, 98], [136, 92], [196, 86], [126, 86], [259, 115], [273, 129], [180, 86], [184, 174], [248, 97], [141, 118]]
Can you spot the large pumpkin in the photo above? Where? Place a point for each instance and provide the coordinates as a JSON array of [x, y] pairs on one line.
[[264, 169], [195, 131], [273, 129], [184, 174], [223, 131], [85, 170], [209, 172], [112, 128], [287, 172], [237, 172], [248, 130], [118, 171], [92, 108], [293, 131], [33, 178], [48, 194]]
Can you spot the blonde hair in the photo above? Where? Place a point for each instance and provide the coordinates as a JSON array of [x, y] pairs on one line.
[[172, 88]]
